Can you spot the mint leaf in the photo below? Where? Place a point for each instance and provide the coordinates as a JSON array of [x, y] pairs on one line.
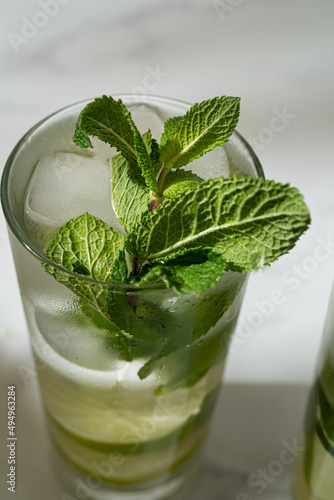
[[251, 222], [178, 181], [170, 127], [89, 247], [88, 242], [192, 271], [119, 271], [154, 151], [143, 146], [80, 138], [109, 121], [201, 129], [130, 198]]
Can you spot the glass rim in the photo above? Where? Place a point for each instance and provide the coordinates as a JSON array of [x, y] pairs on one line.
[[28, 244]]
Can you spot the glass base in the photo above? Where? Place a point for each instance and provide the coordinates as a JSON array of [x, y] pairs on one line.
[[78, 485]]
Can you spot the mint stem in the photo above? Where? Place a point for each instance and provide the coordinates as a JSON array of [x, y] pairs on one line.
[[156, 198], [155, 202], [161, 180]]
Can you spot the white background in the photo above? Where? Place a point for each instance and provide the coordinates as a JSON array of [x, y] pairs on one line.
[[278, 56]]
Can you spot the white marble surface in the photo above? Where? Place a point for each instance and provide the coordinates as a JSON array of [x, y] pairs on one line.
[[278, 56]]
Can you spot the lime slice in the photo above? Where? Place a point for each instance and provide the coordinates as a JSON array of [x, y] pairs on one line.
[[112, 462]]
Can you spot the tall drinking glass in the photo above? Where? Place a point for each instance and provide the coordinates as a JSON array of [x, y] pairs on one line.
[[314, 472], [123, 425]]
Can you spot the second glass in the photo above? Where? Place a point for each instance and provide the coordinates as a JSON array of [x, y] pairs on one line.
[[314, 471]]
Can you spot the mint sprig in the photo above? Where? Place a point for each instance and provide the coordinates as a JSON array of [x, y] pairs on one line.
[[110, 121], [182, 234], [204, 126]]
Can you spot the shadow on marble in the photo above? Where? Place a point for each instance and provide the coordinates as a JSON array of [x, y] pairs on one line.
[[251, 428]]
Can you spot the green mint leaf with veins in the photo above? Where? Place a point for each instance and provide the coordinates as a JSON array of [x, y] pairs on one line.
[[191, 271], [88, 242], [111, 122], [143, 146], [153, 149], [170, 127], [119, 272], [201, 129], [89, 247], [80, 138], [130, 198], [179, 181], [251, 222]]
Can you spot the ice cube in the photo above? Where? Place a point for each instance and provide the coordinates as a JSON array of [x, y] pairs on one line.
[[64, 186], [213, 164]]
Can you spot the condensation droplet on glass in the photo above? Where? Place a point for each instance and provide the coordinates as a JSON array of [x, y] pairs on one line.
[[172, 309]]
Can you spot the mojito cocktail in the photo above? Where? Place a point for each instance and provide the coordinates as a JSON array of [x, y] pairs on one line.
[[132, 269]]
